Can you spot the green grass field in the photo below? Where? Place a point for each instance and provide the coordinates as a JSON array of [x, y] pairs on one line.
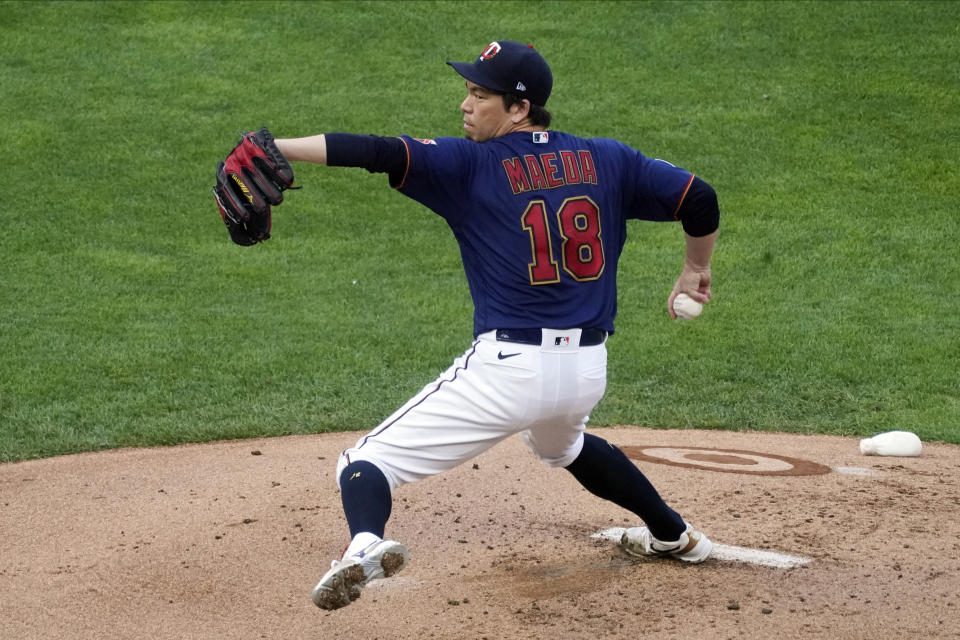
[[128, 318]]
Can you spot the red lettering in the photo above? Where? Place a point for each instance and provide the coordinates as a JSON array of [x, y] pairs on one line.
[[582, 247], [588, 169], [516, 175], [537, 179], [570, 167], [543, 269], [551, 169]]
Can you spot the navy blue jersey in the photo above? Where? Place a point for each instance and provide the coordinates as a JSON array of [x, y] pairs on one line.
[[540, 218]]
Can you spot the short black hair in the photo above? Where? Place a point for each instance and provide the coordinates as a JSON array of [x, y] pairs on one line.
[[539, 116]]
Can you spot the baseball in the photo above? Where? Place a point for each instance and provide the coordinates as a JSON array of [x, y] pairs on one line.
[[686, 307]]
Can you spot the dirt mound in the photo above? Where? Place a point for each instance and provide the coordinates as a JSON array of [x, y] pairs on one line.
[[228, 539]]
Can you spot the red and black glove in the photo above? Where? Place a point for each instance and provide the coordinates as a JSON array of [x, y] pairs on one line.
[[252, 179]]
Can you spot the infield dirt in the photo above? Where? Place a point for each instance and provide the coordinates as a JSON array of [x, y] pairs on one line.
[[226, 540]]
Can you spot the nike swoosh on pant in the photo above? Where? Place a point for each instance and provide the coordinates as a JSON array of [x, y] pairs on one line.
[[503, 356]]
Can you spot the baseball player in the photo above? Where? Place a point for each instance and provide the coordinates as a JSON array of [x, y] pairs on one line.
[[541, 218]]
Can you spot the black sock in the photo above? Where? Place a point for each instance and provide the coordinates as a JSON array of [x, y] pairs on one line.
[[366, 498], [606, 472]]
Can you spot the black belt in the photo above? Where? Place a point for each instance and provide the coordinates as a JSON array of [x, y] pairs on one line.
[[588, 337]]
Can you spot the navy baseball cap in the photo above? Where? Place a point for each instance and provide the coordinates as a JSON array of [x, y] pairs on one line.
[[510, 67]]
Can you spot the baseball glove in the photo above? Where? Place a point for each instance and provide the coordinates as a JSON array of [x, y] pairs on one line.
[[251, 180]]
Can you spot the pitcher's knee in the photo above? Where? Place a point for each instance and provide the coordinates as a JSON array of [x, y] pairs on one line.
[[349, 456], [396, 473], [554, 453]]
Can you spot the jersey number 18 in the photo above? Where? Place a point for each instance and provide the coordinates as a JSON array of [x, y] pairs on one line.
[[582, 250]]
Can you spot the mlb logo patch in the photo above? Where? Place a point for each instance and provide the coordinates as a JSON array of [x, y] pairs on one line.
[[541, 137], [563, 341], [425, 141]]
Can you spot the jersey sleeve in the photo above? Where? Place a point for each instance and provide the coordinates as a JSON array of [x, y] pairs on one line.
[[438, 173], [658, 188]]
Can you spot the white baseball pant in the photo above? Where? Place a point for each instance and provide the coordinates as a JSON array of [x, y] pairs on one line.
[[494, 390]]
